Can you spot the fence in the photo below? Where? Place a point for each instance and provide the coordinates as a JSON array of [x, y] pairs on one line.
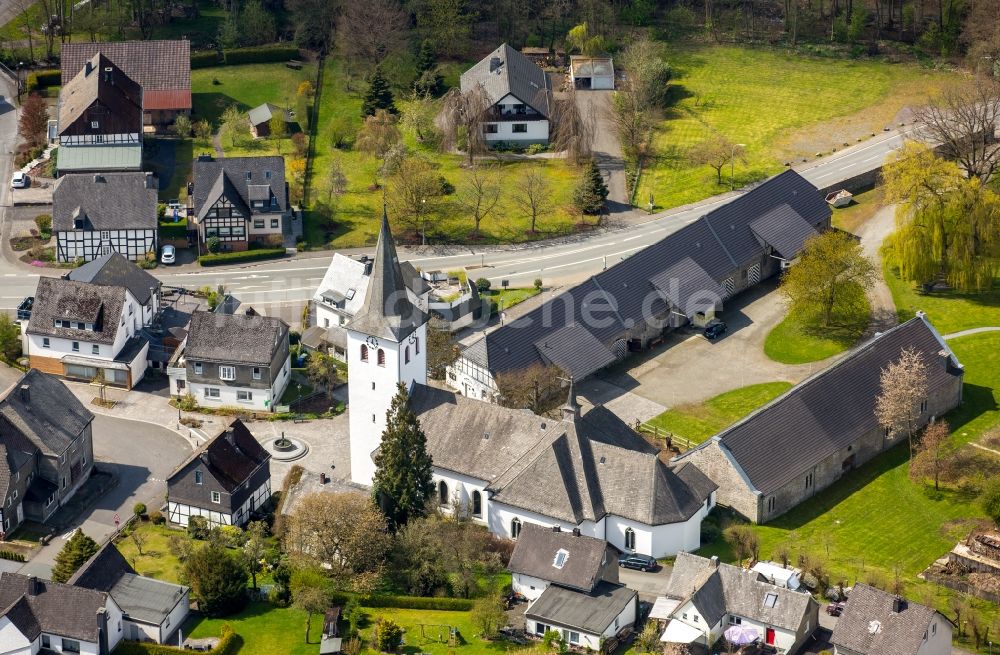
[[670, 440]]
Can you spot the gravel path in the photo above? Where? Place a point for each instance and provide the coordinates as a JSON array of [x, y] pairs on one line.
[[872, 234], [964, 333]]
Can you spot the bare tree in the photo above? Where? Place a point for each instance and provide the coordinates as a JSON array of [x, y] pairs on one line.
[[962, 121], [572, 130], [414, 190], [934, 454], [378, 134], [716, 152], [904, 387], [139, 539], [337, 180], [480, 193], [462, 117], [372, 30], [536, 387], [534, 196]]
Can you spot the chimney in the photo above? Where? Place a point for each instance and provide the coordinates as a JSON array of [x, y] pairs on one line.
[[33, 588], [99, 179], [25, 393], [576, 532], [230, 436], [898, 605], [556, 528], [88, 68], [102, 630], [149, 181], [495, 64], [715, 561]]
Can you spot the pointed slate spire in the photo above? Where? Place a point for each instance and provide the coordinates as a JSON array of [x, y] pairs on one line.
[[571, 408], [387, 311]]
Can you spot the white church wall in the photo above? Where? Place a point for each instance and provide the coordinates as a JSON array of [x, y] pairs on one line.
[[460, 490]]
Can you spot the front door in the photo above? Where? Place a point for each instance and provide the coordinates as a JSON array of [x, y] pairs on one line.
[[770, 636]]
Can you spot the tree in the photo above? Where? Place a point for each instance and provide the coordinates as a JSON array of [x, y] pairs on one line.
[[535, 387], [336, 180], [378, 96], [254, 548], [278, 128], [388, 635], [310, 593], [442, 352], [10, 339], [744, 541], [378, 134], [489, 615], [322, 371], [182, 126], [373, 30], [418, 115], [314, 21], [461, 119], [716, 151], [580, 38], [534, 197], [446, 24], [236, 124], [255, 25], [138, 538], [648, 75], [77, 550], [203, 130], [934, 453], [217, 579], [479, 195], [948, 225], [591, 192], [414, 189], [572, 130], [962, 121], [33, 125], [342, 531], [903, 388], [989, 499], [830, 279], [429, 80], [403, 481]]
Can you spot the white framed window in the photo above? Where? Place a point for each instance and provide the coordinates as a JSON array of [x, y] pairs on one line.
[[515, 528], [76, 346], [227, 372], [45, 342], [560, 559], [256, 372], [94, 125], [211, 392], [275, 223], [629, 539], [244, 396], [197, 368], [95, 349], [770, 600], [216, 497]]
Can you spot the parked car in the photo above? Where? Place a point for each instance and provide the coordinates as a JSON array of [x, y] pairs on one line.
[[20, 181], [638, 561], [714, 330], [836, 609], [168, 255]]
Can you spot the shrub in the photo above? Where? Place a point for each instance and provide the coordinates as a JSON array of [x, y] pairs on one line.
[[173, 230], [11, 555], [44, 223], [205, 59], [536, 148], [388, 635], [139, 509], [198, 527], [538, 283], [187, 402], [229, 644], [244, 256], [156, 516], [42, 79], [989, 500], [213, 244], [483, 284], [218, 580]]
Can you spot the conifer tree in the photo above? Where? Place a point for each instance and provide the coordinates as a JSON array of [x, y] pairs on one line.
[[379, 95], [592, 192], [403, 482], [73, 555]]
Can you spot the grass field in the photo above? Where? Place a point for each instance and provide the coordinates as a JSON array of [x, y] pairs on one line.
[[948, 311], [699, 422], [356, 212], [248, 85], [156, 561], [852, 217], [782, 106], [792, 342], [503, 299]]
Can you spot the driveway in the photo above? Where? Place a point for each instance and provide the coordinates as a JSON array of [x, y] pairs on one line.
[[595, 106], [142, 455], [649, 585], [872, 234]]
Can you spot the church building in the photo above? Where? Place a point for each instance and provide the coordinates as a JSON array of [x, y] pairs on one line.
[[504, 467]]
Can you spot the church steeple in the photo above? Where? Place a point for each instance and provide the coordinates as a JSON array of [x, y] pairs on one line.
[[387, 311]]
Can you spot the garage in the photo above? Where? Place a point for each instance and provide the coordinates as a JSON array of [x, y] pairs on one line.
[[592, 72]]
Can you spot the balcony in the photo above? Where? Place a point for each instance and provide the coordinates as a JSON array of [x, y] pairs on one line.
[[495, 115]]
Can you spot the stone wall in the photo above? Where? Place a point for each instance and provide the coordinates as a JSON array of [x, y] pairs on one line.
[[733, 490]]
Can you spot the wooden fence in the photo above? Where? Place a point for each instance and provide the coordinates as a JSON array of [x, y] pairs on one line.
[[669, 440]]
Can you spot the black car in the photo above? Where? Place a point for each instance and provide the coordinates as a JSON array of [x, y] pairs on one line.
[[714, 330], [637, 561]]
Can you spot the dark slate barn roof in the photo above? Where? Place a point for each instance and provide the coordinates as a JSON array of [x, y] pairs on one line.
[[701, 255], [535, 554], [106, 201], [58, 609], [114, 270], [214, 177], [99, 80], [162, 68], [830, 410], [784, 229], [51, 418], [897, 633], [58, 298], [591, 613], [230, 456], [234, 338], [515, 75]]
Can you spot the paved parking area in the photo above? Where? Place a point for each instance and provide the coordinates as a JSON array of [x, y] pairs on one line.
[[649, 584]]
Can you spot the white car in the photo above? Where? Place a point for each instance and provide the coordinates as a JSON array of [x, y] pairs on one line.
[[20, 181], [168, 255]]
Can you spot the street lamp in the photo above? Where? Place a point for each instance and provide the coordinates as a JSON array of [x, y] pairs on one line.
[[423, 222], [20, 84], [732, 165]]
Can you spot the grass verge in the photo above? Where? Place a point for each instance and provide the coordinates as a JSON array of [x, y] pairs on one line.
[[948, 311], [792, 342]]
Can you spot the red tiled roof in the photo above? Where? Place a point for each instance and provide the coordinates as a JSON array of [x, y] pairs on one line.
[[166, 99]]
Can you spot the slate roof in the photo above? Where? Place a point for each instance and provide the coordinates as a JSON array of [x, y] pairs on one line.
[[535, 552], [12, 458], [588, 612], [516, 75], [106, 201], [214, 177], [387, 311], [114, 270], [570, 470], [262, 113], [229, 462], [717, 589], [58, 298], [20, 614], [113, 89], [52, 418], [699, 256], [58, 609], [830, 410], [162, 68], [234, 338], [897, 633], [784, 229]]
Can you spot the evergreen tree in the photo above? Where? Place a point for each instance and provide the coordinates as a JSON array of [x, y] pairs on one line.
[[592, 192], [218, 580], [429, 79], [426, 59], [379, 95], [77, 550], [403, 482]]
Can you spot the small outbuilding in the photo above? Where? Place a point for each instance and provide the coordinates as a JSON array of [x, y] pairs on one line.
[[592, 72], [260, 119]]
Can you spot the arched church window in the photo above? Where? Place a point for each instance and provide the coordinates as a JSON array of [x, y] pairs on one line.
[[364, 352], [381, 357]]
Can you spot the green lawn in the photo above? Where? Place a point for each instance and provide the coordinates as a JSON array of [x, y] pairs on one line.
[[357, 211], [503, 299], [156, 561], [248, 85], [864, 206], [699, 422], [948, 311], [435, 623], [295, 391], [791, 342], [782, 106]]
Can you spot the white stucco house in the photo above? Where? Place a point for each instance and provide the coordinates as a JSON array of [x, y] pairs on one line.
[[520, 93], [508, 468]]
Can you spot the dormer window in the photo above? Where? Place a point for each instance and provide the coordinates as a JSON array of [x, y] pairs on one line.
[[78, 224], [560, 559]]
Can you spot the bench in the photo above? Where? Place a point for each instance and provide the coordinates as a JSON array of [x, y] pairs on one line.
[[294, 64]]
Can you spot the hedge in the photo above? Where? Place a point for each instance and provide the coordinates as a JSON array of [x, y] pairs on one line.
[[221, 258], [409, 602], [40, 79], [260, 55], [229, 644], [11, 555], [173, 230]]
